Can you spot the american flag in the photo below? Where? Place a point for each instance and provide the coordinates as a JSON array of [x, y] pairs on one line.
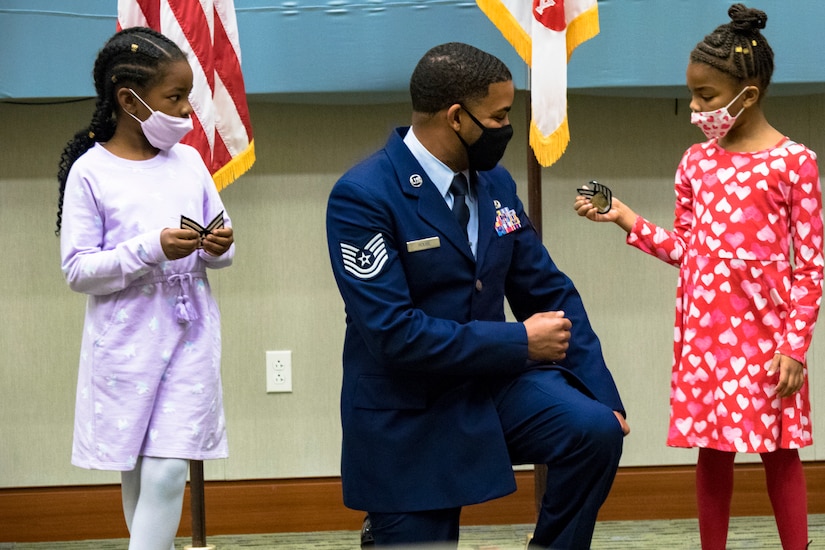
[[545, 33], [207, 31]]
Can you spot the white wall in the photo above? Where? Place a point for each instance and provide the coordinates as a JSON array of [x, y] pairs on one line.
[[280, 293]]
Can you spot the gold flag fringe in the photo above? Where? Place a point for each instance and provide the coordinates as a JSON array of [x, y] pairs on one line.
[[235, 168], [582, 28], [549, 149], [509, 27]]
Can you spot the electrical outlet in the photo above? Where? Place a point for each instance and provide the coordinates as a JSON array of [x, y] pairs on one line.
[[279, 372]]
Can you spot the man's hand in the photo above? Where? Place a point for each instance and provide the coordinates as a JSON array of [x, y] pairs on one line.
[[548, 336], [178, 243], [622, 422]]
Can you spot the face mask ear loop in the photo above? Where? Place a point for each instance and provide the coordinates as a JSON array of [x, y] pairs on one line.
[[144, 104], [152, 110], [474, 119], [742, 110]]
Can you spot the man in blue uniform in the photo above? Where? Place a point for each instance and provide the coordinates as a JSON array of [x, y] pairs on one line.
[[441, 394]]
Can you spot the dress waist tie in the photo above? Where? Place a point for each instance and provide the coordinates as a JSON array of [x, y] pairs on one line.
[[184, 312]]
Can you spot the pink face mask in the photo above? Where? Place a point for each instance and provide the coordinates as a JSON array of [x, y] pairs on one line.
[[162, 130], [716, 124]]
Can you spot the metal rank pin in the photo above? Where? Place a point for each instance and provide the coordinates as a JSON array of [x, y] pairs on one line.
[[600, 196]]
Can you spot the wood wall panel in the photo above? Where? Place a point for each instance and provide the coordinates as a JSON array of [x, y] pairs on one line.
[[303, 505]]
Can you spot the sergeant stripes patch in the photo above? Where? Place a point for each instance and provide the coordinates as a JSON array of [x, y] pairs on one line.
[[367, 262]]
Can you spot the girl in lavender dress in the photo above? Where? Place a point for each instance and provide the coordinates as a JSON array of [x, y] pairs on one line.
[[149, 393]]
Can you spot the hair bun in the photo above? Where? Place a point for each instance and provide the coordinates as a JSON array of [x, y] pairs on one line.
[[745, 19]]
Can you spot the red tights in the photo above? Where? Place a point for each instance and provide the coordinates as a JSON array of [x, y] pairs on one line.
[[786, 490]]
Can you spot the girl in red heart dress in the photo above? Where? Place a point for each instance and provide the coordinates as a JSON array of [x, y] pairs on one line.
[[747, 239]]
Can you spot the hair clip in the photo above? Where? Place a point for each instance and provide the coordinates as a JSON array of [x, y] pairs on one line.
[[91, 135], [134, 48], [753, 42], [114, 78]]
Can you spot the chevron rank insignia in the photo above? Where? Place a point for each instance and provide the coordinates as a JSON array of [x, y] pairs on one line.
[[189, 223], [366, 262], [600, 196]]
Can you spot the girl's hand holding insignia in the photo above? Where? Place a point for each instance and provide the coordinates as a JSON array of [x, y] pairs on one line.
[[179, 243], [598, 195], [218, 241], [597, 203]]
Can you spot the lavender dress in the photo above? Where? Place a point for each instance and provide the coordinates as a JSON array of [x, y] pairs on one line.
[[149, 380]]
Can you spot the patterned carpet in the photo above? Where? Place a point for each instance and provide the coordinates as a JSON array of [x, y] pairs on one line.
[[752, 533]]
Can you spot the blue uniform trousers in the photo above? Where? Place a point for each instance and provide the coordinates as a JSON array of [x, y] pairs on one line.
[[547, 418]]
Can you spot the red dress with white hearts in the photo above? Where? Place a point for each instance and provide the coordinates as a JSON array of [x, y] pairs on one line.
[[747, 239]]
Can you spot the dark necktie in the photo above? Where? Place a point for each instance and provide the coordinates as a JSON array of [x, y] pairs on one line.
[[460, 209]]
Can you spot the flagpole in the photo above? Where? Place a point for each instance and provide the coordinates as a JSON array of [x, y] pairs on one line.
[[198, 507], [534, 213], [533, 176]]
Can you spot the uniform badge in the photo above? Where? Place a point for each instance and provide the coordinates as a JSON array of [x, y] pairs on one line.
[[507, 221], [189, 223], [423, 244], [366, 262], [600, 196], [416, 180]]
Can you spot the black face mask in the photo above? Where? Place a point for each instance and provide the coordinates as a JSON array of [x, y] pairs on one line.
[[488, 149]]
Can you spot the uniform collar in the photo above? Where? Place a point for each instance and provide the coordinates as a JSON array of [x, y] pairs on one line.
[[439, 173]]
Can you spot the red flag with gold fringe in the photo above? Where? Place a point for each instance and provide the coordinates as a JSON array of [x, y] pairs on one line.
[[545, 33]]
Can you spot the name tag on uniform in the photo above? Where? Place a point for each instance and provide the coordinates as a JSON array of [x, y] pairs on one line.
[[423, 244]]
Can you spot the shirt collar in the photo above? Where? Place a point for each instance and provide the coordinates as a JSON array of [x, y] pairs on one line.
[[440, 174]]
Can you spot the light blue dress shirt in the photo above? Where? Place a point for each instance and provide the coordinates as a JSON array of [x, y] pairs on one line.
[[442, 177]]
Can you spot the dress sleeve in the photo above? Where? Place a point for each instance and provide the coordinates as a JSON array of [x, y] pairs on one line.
[[668, 245], [806, 240], [87, 266]]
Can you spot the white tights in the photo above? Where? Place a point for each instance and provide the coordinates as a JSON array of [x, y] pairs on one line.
[[152, 500]]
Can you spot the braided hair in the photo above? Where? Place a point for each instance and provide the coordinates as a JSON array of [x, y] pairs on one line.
[[454, 73], [737, 48], [136, 56]]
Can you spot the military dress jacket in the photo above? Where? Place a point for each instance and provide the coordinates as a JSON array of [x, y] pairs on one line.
[[427, 344]]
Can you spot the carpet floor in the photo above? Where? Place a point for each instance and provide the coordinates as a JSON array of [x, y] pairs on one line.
[[752, 533]]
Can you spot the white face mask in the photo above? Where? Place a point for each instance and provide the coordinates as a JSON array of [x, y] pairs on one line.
[[717, 124], [162, 130]]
